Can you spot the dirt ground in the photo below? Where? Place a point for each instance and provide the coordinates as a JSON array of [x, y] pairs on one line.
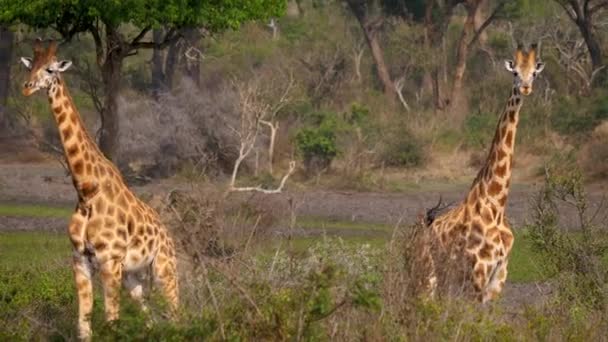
[[48, 183]]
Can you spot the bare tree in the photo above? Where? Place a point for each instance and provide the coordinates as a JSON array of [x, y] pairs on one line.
[[326, 71], [582, 13], [270, 120], [254, 110], [358, 50], [573, 56], [274, 27]]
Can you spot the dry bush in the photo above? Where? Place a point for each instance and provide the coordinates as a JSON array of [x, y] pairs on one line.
[[189, 124], [594, 155], [416, 256]]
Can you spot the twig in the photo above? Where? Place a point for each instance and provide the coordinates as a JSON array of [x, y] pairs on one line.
[[213, 299]]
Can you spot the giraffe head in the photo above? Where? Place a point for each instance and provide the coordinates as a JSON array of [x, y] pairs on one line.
[[525, 67], [44, 67]]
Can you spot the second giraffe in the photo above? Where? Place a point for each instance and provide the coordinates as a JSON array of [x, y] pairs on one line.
[[477, 229]]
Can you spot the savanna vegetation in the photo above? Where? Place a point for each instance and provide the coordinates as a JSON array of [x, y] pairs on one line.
[[272, 96]]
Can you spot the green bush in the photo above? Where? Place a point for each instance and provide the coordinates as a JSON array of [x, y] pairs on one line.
[[574, 259], [402, 148], [316, 141], [478, 129], [579, 117]]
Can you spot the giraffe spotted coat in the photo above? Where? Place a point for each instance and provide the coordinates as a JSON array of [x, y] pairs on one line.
[[477, 229], [110, 229]]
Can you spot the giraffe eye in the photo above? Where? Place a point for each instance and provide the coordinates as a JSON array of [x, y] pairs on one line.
[[534, 74], [49, 70], [514, 73]]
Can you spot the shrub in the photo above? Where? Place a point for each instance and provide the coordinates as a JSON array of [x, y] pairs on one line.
[[478, 129], [401, 148], [575, 257], [316, 142], [574, 117]]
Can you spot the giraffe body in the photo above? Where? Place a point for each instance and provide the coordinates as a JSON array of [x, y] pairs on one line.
[[477, 229], [111, 230]]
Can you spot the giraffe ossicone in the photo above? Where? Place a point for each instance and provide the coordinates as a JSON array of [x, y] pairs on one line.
[[477, 229], [110, 228]]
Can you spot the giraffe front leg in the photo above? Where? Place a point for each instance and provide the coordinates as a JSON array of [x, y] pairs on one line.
[[84, 286], [111, 276], [496, 282]]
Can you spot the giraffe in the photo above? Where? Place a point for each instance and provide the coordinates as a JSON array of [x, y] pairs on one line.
[[477, 229], [111, 230]]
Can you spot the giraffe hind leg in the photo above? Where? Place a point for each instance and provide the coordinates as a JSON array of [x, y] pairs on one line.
[[134, 286], [111, 276], [165, 273]]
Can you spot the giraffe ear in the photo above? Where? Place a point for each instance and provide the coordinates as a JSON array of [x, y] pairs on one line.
[[510, 65], [539, 67], [62, 66], [27, 62]]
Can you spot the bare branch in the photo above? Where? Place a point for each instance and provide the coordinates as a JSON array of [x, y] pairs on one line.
[[486, 23], [171, 36], [399, 90], [592, 10], [279, 189]]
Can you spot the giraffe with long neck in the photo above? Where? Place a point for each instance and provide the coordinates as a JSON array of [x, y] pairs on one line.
[[478, 227], [111, 229]]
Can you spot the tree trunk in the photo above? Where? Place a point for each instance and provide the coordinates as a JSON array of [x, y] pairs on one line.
[[480, 16], [6, 52], [111, 75], [293, 9], [436, 19], [193, 60], [595, 51], [158, 74], [457, 100], [370, 31], [171, 64], [383, 74]]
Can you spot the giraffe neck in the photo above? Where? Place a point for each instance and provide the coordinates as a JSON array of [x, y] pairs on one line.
[[82, 154], [493, 180]]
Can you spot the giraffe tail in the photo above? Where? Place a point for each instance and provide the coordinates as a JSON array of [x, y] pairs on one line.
[[434, 212]]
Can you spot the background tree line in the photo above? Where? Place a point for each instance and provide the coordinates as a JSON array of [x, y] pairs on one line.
[[372, 83]]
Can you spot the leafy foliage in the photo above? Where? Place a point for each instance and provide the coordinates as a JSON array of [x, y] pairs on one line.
[[71, 17], [574, 259], [317, 141], [571, 120]]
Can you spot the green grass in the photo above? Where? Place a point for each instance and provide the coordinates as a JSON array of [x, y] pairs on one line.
[[334, 225], [524, 263], [34, 210], [32, 248]]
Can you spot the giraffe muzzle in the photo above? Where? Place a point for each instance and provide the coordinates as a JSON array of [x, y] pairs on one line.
[[29, 89]]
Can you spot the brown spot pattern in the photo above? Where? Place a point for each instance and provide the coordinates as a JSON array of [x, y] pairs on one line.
[[494, 188], [78, 167], [500, 171], [509, 140]]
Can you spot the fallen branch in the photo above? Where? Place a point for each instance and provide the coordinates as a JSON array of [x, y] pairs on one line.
[[279, 189]]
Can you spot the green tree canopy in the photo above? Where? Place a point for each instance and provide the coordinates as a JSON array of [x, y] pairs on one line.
[[70, 17], [120, 27]]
